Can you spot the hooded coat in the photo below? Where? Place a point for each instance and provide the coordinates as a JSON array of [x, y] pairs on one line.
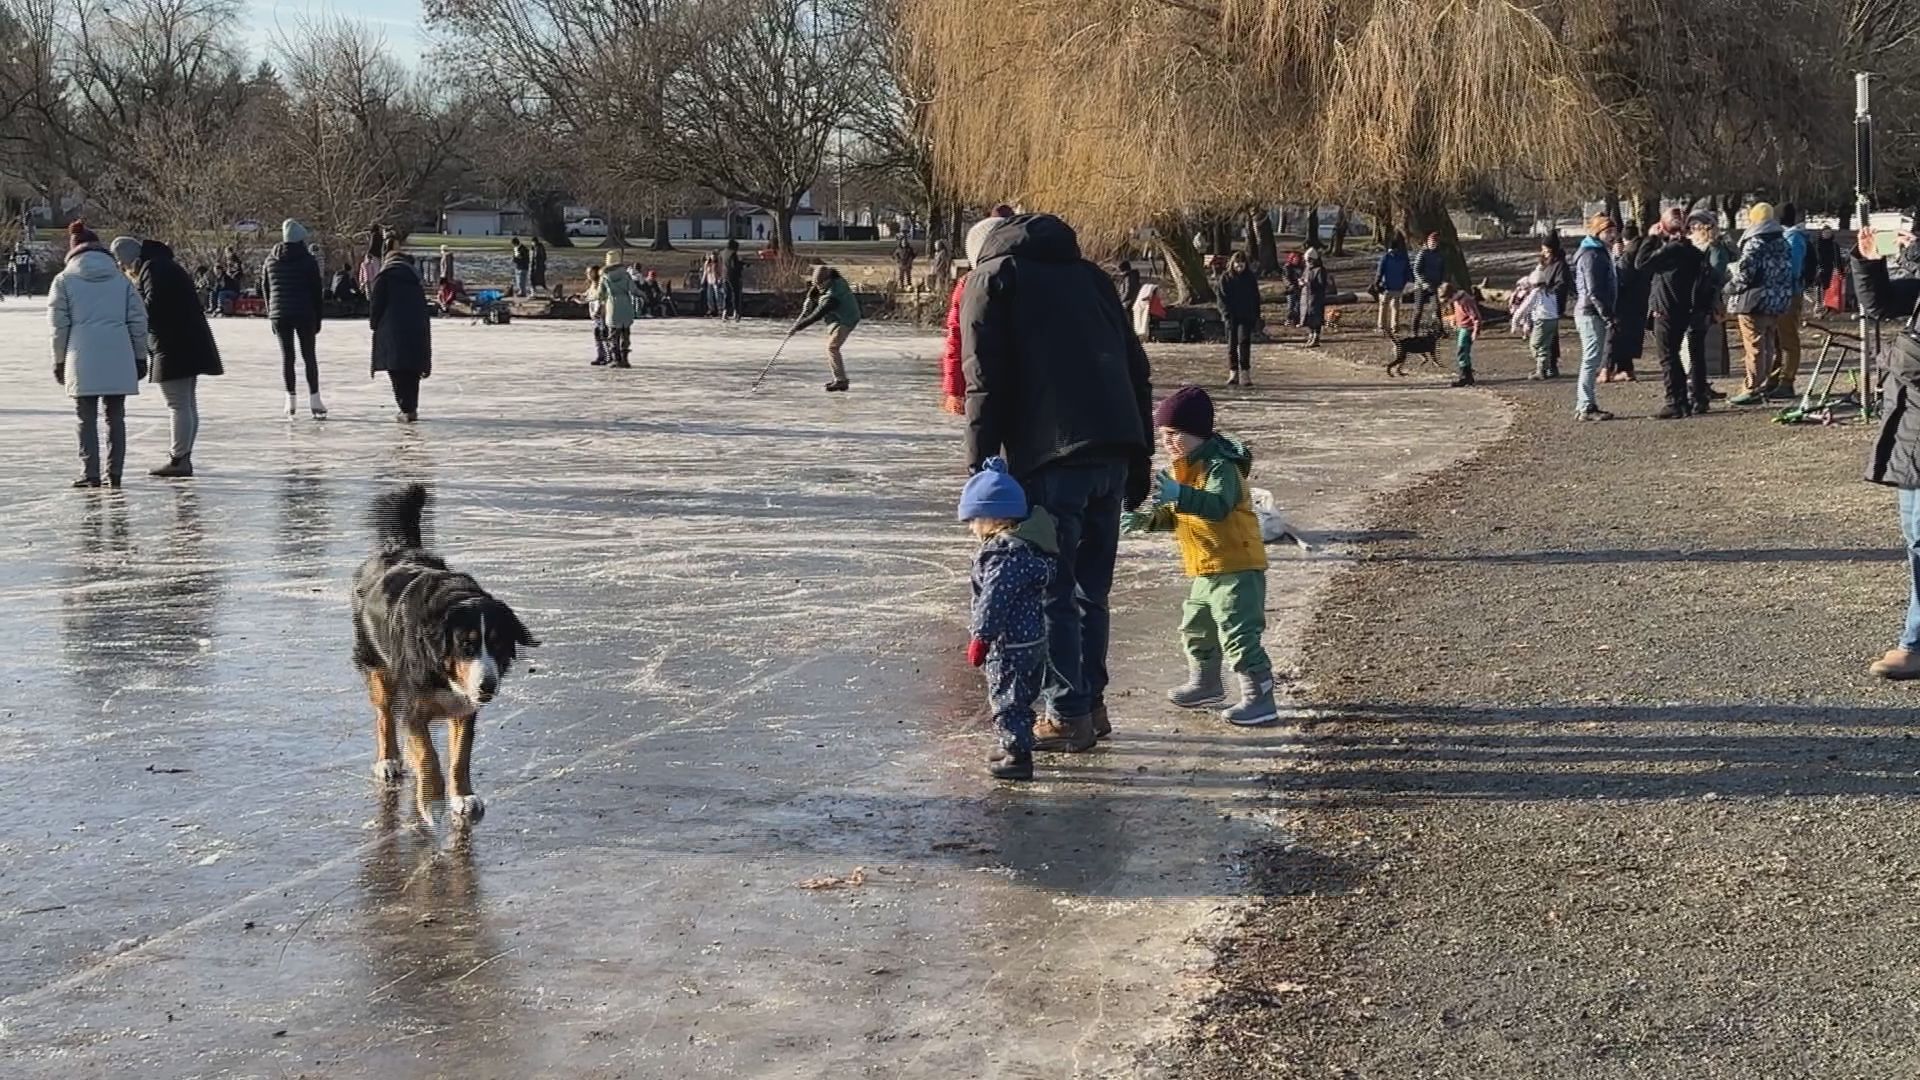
[[619, 300], [1762, 281], [99, 325], [1011, 572], [1053, 370], [1595, 289], [179, 342], [402, 327], [291, 284], [1632, 287], [1213, 519]]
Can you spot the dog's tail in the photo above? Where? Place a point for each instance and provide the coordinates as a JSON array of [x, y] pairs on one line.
[[396, 517]]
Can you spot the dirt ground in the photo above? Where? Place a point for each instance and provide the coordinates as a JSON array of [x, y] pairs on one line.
[[1600, 787]]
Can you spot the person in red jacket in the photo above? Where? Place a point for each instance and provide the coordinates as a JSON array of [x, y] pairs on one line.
[[953, 382]]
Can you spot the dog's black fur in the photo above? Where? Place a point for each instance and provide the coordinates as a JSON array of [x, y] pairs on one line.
[[1412, 345], [410, 611], [418, 627]]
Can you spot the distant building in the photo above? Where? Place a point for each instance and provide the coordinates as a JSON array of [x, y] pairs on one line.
[[482, 217], [699, 223]]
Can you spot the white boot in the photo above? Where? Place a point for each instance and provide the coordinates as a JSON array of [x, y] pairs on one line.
[[293, 406], [317, 407]]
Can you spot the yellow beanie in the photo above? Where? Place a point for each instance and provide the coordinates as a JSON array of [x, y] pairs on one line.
[[1760, 213], [614, 257]]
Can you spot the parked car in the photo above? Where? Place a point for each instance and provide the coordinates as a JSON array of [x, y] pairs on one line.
[[591, 226], [246, 226]]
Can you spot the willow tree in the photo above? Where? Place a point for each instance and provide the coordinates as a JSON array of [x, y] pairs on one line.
[[1116, 113]]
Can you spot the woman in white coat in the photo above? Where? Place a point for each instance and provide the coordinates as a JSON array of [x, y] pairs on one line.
[[99, 348]]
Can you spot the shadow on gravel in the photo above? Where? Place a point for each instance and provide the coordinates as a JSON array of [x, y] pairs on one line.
[[1506, 754], [1652, 555]]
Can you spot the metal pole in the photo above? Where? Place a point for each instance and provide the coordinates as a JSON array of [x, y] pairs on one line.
[[1863, 207]]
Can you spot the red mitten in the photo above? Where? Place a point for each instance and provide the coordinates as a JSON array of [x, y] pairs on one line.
[[977, 652]]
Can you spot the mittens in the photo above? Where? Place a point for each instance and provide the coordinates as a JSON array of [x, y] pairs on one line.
[[1136, 521], [1167, 489], [977, 652]]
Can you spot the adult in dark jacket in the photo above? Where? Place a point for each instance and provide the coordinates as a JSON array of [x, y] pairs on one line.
[[1628, 339], [402, 330], [522, 269], [1128, 283], [1390, 280], [1680, 297], [736, 269], [180, 345], [1595, 293], [1896, 450], [1826, 259], [291, 284], [539, 263], [1240, 310], [1429, 270], [1058, 385]]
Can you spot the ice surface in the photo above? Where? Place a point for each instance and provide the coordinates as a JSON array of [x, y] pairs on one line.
[[753, 613]]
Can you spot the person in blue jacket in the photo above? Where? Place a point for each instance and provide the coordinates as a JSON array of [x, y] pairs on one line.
[[1390, 281]]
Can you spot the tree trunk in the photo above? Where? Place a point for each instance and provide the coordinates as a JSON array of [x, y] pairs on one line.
[[1730, 206], [783, 228], [547, 214], [661, 241], [1428, 214], [1219, 236], [1612, 205], [1310, 232], [1646, 207], [1846, 219], [1340, 220], [1184, 263], [1266, 247]]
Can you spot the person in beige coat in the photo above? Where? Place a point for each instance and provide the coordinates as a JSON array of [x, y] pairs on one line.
[[99, 348]]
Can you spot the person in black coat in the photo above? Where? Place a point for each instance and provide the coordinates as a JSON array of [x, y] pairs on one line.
[[1240, 310], [180, 345], [402, 330], [1128, 280], [1631, 287], [291, 284], [736, 269], [1895, 460], [1059, 386], [539, 263], [1681, 287]]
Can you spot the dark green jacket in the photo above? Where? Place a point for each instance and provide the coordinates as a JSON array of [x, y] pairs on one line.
[[837, 306]]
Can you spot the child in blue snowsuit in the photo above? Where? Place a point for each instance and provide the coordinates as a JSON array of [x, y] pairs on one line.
[[1011, 572]]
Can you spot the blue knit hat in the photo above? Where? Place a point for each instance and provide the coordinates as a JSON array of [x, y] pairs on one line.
[[991, 493]]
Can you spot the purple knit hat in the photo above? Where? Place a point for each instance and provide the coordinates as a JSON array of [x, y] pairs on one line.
[[1188, 410]]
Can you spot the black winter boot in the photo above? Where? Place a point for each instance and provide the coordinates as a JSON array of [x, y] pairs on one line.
[[1011, 765]]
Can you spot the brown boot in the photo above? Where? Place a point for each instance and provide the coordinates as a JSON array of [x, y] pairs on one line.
[[1102, 727], [1064, 734], [1897, 664]]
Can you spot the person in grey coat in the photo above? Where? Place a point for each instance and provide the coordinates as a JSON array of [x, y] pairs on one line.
[[99, 348]]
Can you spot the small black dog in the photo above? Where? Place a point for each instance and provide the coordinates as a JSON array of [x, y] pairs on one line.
[[1411, 345], [433, 646]]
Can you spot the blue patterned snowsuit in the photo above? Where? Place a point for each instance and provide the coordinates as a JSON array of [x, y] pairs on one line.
[[1010, 577]]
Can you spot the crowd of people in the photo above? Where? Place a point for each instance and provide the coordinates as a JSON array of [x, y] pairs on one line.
[[126, 312]]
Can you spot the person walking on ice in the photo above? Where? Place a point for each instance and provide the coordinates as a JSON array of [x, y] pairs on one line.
[[1011, 572], [1205, 502], [831, 300]]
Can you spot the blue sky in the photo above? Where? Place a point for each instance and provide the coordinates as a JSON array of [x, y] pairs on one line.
[[398, 20]]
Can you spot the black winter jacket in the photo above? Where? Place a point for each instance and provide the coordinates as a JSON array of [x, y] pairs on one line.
[[1430, 267], [1240, 298], [290, 282], [179, 341], [1896, 450], [1678, 271], [402, 330], [1053, 369]]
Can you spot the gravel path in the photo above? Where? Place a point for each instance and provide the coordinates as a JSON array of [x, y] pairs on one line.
[[1602, 788]]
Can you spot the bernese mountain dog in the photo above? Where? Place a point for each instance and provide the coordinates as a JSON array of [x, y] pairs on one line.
[[433, 645]]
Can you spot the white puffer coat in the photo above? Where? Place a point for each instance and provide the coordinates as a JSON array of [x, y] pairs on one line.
[[99, 325]]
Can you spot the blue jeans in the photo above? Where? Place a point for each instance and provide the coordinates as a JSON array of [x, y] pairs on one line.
[[1910, 527], [1084, 498], [521, 280], [1593, 353]]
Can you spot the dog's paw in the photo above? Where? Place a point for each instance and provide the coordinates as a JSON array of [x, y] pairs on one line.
[[388, 770], [467, 806]]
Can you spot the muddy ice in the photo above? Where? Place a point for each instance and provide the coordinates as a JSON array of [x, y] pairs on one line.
[[737, 824]]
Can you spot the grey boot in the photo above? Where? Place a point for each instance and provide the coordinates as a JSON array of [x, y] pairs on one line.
[[1202, 687], [1256, 701]]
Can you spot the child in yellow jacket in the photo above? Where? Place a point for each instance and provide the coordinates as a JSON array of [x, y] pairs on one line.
[[1205, 502]]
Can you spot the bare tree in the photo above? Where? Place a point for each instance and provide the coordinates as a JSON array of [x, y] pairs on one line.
[[366, 140], [763, 86]]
